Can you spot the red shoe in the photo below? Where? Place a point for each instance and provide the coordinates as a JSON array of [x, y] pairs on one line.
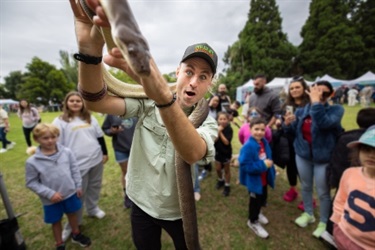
[[291, 195], [302, 208]]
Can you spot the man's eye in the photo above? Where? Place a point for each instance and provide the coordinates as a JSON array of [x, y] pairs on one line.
[[189, 73], [203, 77]]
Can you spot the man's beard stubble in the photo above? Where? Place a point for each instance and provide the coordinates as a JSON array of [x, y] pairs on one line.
[[258, 91]]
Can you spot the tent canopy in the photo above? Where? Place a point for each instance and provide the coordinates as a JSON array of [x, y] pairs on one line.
[[367, 78], [8, 101]]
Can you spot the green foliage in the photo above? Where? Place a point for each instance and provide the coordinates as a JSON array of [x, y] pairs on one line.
[[121, 75], [12, 84], [43, 82], [262, 47], [69, 66], [330, 42], [363, 18]]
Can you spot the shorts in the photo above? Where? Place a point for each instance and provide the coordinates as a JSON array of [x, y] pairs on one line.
[[54, 212], [121, 156], [222, 159]]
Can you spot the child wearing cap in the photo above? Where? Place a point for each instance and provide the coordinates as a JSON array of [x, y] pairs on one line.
[[354, 205]]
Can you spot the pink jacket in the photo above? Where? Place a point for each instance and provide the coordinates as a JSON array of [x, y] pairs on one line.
[[244, 133]]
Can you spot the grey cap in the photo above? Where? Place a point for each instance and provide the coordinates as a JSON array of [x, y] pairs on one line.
[[204, 51]]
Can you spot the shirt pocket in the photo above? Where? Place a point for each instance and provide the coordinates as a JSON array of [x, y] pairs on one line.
[[153, 140]]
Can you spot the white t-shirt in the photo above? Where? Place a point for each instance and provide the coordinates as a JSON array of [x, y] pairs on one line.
[[82, 139], [3, 116]]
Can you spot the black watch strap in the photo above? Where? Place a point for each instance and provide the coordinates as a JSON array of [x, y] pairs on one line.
[[87, 59]]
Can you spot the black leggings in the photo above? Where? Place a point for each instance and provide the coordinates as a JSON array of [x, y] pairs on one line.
[[27, 134], [291, 166], [146, 230], [256, 202]]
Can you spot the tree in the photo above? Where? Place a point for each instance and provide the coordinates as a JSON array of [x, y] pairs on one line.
[[12, 84], [363, 18], [69, 67], [262, 47], [43, 82], [330, 43]]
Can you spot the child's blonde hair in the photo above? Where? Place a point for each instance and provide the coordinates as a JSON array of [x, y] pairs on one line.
[[44, 128]]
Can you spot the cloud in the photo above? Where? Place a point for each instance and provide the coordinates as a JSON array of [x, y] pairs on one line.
[[42, 28]]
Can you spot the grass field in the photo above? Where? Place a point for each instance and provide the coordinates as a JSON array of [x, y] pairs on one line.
[[222, 220]]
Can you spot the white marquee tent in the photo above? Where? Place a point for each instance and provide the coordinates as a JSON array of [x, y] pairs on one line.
[[8, 101], [367, 78]]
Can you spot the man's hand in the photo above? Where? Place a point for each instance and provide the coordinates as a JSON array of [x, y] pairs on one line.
[[89, 38]]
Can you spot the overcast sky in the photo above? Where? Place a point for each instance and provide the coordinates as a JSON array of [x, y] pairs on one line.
[[41, 28]]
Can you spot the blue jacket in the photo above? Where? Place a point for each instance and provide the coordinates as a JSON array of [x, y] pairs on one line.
[[325, 128], [251, 167]]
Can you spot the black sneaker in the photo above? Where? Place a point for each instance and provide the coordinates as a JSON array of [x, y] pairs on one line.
[[127, 202], [219, 184], [81, 239], [61, 247], [226, 190]]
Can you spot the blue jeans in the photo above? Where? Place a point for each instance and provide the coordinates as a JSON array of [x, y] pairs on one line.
[[197, 187], [308, 172], [3, 137]]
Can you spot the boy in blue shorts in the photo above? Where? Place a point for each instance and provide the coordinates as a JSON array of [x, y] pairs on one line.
[[52, 173]]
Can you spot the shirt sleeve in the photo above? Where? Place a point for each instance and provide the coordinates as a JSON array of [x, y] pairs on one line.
[[340, 199], [208, 131]]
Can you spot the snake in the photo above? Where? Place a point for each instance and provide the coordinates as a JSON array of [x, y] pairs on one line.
[[126, 35]]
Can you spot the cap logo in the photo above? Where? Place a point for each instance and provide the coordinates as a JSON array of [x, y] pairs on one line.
[[204, 49]]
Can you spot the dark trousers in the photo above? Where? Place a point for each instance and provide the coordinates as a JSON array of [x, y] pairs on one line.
[[208, 167], [255, 204], [3, 138], [27, 134], [146, 230], [291, 166]]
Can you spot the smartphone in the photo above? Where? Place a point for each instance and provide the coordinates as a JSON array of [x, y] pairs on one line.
[[289, 109]]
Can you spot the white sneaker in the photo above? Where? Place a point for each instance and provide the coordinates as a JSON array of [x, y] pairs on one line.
[[328, 238], [3, 150], [66, 234], [197, 196], [99, 214], [262, 219], [258, 229], [10, 146]]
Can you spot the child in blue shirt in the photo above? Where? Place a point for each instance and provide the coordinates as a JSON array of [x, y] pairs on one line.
[[52, 173], [256, 172]]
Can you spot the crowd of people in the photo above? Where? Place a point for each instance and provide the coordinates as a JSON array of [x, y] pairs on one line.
[[353, 95], [66, 169]]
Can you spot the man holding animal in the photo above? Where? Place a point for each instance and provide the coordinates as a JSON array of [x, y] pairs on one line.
[[163, 130]]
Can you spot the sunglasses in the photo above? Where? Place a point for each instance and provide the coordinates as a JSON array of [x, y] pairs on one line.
[[296, 78], [253, 114], [326, 94]]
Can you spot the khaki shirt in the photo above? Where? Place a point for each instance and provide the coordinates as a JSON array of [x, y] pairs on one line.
[[151, 177]]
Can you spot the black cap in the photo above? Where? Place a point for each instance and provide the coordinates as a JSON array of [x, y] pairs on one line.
[[204, 51]]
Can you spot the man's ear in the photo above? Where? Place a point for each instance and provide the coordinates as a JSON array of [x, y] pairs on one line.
[[178, 70]]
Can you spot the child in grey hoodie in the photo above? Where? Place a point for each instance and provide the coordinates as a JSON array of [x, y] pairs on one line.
[[52, 173]]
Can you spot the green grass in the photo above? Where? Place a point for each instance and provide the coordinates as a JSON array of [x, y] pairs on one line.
[[222, 221]]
